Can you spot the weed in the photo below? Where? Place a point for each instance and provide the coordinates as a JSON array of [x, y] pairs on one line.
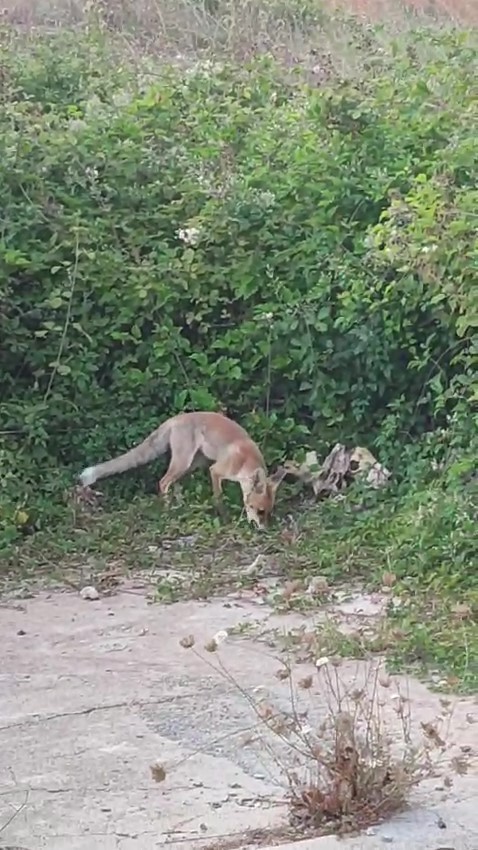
[[348, 749]]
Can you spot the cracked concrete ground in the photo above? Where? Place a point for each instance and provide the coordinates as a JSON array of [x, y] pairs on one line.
[[93, 693]]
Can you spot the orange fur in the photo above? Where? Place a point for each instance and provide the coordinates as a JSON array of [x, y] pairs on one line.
[[194, 439]]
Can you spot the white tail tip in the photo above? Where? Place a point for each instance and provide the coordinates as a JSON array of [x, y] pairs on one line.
[[88, 476]]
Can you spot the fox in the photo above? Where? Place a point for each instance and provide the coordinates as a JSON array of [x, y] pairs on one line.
[[196, 439]]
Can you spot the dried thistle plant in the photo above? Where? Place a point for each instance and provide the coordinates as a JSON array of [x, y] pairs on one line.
[[354, 771], [357, 764]]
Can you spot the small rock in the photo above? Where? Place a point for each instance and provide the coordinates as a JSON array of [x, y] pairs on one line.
[[387, 839], [89, 593], [21, 632], [441, 823]]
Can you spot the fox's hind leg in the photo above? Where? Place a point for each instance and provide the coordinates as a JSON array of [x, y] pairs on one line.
[[183, 460]]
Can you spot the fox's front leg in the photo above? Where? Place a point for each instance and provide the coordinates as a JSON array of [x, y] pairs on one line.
[[216, 482]]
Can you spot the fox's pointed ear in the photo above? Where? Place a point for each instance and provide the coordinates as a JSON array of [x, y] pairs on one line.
[[276, 478], [259, 480]]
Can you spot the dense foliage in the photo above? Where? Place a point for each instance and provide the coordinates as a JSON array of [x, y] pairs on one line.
[[224, 237]]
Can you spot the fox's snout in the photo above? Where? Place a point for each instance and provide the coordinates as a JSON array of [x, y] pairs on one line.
[[258, 510], [259, 519]]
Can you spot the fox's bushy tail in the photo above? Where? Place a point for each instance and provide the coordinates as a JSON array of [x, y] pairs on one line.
[[155, 445]]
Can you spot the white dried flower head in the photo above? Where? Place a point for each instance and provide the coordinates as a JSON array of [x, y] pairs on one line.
[[189, 235], [221, 636], [91, 173], [321, 662]]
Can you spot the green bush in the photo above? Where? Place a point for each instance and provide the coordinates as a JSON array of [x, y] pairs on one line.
[[223, 236]]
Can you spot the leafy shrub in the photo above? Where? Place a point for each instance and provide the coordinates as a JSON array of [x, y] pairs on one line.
[[224, 237]]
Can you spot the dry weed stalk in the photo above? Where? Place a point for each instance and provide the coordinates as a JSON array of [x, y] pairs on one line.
[[358, 772], [353, 766]]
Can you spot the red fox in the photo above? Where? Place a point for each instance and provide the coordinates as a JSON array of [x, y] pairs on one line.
[[197, 439]]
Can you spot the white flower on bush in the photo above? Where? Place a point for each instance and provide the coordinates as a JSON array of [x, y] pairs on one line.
[[189, 235], [91, 173], [266, 198], [262, 197], [76, 124]]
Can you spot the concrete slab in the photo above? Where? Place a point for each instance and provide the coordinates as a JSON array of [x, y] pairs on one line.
[[93, 692]]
